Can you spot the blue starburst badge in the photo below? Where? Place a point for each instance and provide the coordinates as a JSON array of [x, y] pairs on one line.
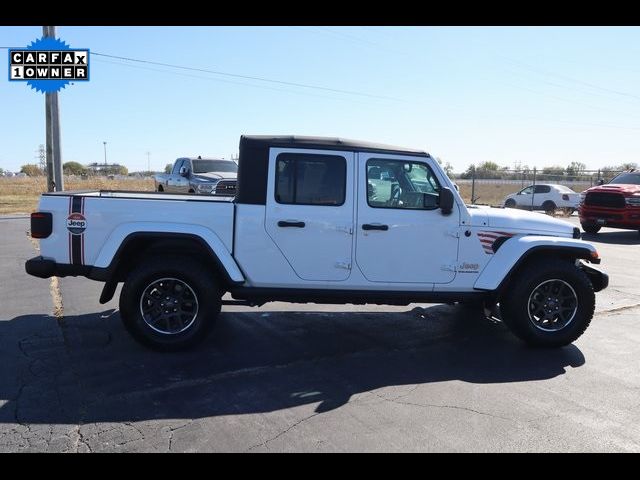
[[48, 65]]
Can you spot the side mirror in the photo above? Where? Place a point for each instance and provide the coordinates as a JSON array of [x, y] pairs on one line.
[[446, 200], [600, 182], [184, 171], [457, 187]]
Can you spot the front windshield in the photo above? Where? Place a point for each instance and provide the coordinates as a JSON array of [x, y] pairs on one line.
[[204, 166], [627, 178]]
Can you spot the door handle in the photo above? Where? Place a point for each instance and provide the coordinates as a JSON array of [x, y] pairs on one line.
[[375, 226], [292, 223]]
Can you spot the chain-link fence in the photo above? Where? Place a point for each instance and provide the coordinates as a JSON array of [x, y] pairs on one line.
[[492, 187]]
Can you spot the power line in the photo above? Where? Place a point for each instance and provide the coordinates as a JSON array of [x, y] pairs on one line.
[[570, 79], [246, 77], [233, 82]]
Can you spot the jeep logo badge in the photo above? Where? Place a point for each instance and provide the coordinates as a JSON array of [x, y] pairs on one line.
[[76, 223]]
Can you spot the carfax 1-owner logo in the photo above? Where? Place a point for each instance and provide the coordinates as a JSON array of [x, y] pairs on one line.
[[48, 64], [76, 223]]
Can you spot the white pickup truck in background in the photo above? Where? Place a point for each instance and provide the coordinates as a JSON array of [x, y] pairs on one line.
[[203, 176], [319, 220]]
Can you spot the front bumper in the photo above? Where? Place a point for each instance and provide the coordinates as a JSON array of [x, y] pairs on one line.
[[611, 217], [598, 278]]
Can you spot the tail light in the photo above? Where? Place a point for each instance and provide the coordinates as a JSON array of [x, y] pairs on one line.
[[565, 196], [41, 224]]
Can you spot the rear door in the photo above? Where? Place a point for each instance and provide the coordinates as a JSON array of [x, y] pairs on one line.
[[309, 213], [541, 193], [401, 235]]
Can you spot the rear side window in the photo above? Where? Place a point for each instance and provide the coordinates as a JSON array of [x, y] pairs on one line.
[[542, 189], [308, 179]]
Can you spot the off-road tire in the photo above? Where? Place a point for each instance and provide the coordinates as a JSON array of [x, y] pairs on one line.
[[515, 303], [184, 271]]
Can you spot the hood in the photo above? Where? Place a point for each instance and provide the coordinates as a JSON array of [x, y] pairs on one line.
[[214, 176], [520, 221], [624, 189]]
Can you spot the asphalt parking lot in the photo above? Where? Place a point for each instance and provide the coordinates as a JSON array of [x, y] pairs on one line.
[[289, 377]]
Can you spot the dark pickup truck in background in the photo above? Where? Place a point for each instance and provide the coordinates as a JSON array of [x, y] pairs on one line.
[[204, 176]]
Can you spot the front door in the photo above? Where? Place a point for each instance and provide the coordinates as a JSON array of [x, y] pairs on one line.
[[173, 180], [309, 213], [402, 235]]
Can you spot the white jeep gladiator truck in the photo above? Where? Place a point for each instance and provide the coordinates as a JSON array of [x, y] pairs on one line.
[[318, 220]]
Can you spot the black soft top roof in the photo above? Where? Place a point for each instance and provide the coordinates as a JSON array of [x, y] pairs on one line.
[[325, 143], [253, 164]]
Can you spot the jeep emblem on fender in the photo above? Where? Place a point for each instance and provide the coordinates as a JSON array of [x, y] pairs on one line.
[[76, 223]]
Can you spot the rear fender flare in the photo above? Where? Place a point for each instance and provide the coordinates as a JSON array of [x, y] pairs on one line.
[[123, 234]]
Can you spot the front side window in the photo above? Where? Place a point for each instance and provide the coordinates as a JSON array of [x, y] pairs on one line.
[[308, 179], [527, 191], [401, 184]]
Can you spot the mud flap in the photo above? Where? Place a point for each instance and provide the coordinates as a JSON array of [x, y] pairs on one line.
[[598, 278]]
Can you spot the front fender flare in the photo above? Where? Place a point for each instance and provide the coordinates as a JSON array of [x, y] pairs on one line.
[[516, 250]]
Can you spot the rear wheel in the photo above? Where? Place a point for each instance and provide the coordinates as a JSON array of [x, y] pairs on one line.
[[549, 207], [590, 227], [550, 304], [160, 189], [169, 303]]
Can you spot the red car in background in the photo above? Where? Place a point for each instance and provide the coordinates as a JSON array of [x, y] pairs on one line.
[[616, 204]]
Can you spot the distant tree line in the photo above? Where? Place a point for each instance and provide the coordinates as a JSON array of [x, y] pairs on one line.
[[74, 168], [573, 171]]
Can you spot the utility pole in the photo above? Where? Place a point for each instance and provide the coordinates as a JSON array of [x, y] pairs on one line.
[[148, 162], [55, 181], [105, 153]]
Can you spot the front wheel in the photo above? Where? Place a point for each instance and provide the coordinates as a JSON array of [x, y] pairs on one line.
[[590, 227], [169, 303], [549, 304], [511, 203]]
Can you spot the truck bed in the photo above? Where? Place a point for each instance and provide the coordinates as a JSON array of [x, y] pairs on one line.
[[90, 225]]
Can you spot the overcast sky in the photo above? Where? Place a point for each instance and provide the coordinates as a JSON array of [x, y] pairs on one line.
[[538, 96]]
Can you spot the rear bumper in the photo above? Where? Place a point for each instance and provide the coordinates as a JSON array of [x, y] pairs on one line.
[[44, 268], [598, 278], [611, 217]]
